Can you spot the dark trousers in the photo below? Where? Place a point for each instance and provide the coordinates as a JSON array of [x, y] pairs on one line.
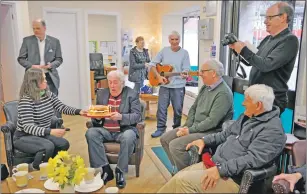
[[167, 95], [54, 90], [281, 106], [49, 145]]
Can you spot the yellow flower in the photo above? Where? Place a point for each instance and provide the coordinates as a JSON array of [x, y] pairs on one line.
[[66, 169], [63, 155], [79, 174]]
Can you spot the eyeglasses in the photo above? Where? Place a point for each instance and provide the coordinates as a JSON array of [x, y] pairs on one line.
[[204, 70], [270, 17]]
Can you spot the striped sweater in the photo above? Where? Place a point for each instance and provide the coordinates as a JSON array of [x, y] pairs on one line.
[[34, 118]]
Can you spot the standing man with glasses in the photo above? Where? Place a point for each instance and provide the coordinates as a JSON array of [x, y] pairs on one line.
[[274, 61]]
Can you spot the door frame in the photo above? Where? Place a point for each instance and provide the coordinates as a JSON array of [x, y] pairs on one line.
[[118, 35], [82, 81], [16, 42]]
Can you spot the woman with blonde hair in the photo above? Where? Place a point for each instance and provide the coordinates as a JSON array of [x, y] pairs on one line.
[[35, 110], [138, 60]]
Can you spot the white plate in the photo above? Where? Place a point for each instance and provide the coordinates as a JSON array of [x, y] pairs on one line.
[[52, 186], [32, 190], [91, 187]]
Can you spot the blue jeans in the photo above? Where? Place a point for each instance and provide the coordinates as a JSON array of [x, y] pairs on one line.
[[96, 136], [167, 95]]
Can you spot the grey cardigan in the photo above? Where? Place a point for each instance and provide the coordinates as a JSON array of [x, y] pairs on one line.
[[137, 65]]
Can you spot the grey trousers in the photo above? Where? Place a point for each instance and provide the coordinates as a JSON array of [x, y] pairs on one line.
[[49, 145], [138, 86], [175, 147], [167, 95], [96, 136]]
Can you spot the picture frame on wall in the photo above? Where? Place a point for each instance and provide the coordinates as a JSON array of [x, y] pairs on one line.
[[93, 46]]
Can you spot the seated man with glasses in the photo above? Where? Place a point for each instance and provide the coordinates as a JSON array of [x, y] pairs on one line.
[[274, 61], [212, 107], [254, 140]]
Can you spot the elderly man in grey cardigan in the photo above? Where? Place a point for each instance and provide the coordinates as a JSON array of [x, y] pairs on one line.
[[252, 141], [212, 107], [119, 127]]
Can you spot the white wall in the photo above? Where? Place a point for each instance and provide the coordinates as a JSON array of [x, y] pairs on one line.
[[102, 28], [169, 24], [204, 45], [22, 29]]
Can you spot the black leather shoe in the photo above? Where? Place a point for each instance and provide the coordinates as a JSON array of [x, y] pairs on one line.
[[120, 179], [107, 174]]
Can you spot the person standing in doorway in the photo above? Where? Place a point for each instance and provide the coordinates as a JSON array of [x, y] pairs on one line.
[[174, 91], [138, 60], [44, 52]]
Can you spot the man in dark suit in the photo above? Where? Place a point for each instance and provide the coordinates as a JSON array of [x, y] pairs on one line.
[[119, 127], [42, 51]]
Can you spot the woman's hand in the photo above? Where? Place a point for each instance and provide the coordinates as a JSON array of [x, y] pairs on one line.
[[83, 112], [57, 132]]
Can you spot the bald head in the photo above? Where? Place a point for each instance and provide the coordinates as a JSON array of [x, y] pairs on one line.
[[39, 28], [40, 21]]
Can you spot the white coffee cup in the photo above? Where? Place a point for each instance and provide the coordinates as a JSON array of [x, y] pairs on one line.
[[21, 178], [89, 176], [43, 171], [21, 167], [111, 190]]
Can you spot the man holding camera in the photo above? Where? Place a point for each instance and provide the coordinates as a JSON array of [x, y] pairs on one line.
[[274, 61]]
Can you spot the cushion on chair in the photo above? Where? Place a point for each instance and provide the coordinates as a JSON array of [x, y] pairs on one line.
[[112, 147]]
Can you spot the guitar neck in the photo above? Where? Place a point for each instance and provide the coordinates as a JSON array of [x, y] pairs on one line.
[[169, 74]]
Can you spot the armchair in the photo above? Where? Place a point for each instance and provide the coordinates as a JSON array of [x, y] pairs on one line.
[[298, 159], [112, 148], [13, 155]]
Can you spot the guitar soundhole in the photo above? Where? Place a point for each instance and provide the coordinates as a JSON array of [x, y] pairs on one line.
[[162, 73]]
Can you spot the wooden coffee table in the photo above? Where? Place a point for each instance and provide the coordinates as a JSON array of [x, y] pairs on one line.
[[38, 184], [147, 98]]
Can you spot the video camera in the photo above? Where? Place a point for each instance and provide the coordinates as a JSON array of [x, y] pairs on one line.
[[229, 38]]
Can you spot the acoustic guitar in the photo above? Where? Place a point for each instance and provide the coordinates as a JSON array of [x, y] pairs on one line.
[[165, 71]]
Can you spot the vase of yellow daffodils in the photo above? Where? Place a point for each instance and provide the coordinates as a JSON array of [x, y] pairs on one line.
[[66, 170]]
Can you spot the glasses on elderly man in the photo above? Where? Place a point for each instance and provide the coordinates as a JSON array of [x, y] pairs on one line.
[[270, 17], [204, 70]]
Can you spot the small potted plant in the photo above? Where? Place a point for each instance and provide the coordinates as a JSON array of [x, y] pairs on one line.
[[66, 170]]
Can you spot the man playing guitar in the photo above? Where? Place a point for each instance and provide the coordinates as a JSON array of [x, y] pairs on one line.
[[174, 91]]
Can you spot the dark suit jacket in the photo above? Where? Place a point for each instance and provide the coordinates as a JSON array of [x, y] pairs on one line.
[[130, 108], [29, 55]]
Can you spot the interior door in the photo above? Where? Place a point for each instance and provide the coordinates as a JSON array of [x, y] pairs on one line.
[[63, 26], [8, 60]]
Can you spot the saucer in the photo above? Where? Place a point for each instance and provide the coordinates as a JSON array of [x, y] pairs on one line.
[[90, 187], [31, 190], [52, 186]]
